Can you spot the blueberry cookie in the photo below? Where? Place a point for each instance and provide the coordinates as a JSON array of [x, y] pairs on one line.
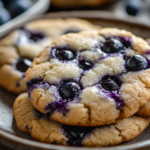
[[41, 128], [78, 3], [19, 48], [12, 69], [91, 78]]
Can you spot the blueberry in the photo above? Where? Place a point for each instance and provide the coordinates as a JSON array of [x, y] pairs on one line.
[[136, 63], [4, 16], [69, 90], [112, 46], [23, 64], [34, 35], [65, 55], [133, 7], [18, 7], [85, 65], [76, 134], [110, 83]]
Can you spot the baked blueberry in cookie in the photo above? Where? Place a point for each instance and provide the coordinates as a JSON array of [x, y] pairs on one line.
[[65, 55], [112, 45], [110, 83], [85, 65], [69, 89], [97, 73], [136, 63], [41, 128], [18, 49]]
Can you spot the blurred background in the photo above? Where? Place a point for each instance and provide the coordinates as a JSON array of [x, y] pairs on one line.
[[140, 9]]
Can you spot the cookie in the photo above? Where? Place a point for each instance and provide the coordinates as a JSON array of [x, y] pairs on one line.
[[12, 69], [78, 3], [148, 41], [144, 110], [41, 128], [91, 78], [18, 49], [30, 39]]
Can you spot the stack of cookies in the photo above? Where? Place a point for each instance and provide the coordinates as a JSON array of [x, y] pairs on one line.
[[84, 89], [18, 49]]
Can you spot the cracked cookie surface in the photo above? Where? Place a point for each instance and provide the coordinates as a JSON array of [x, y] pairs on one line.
[[41, 128], [18, 48], [94, 77]]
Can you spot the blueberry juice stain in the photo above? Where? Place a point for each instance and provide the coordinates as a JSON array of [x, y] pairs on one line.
[[34, 83]]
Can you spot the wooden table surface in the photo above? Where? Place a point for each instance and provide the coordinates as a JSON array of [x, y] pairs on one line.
[[4, 148]]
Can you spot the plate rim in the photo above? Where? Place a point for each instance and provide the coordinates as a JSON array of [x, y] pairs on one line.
[[4, 136], [46, 146]]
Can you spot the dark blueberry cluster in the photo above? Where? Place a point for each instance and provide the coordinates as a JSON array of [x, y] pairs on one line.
[[23, 64], [12, 8], [76, 134], [69, 90]]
